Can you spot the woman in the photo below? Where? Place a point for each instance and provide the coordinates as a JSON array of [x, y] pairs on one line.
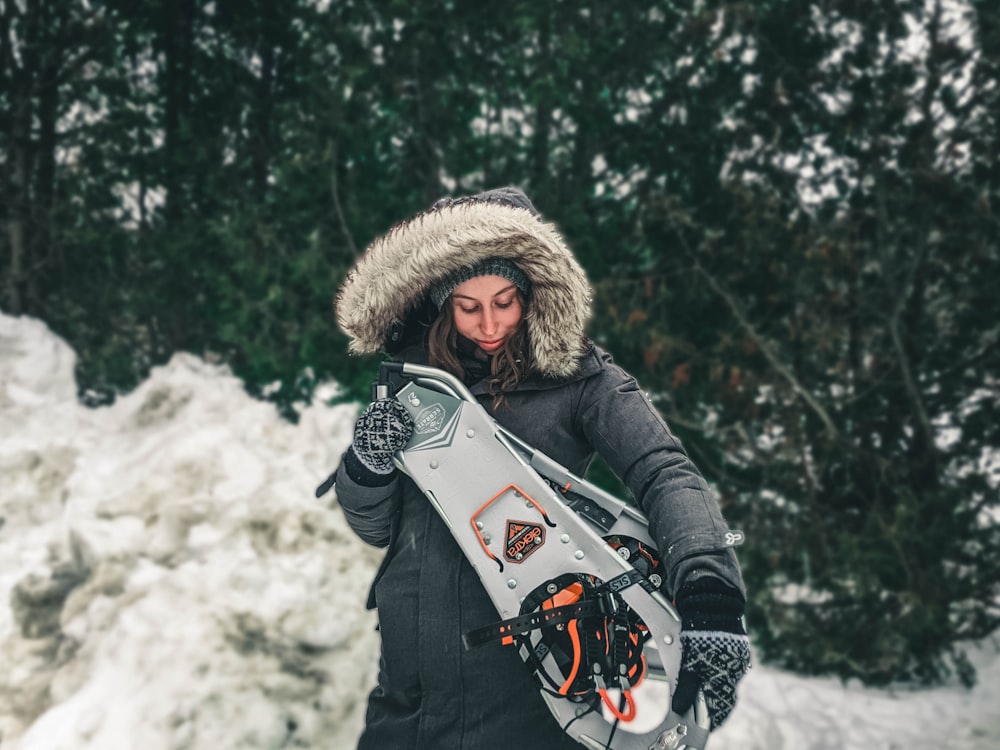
[[484, 288]]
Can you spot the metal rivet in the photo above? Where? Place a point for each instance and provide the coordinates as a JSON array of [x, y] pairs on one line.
[[519, 556], [564, 539], [512, 584], [624, 552], [487, 538], [578, 554], [552, 588], [470, 434], [415, 401], [434, 464], [538, 540], [479, 525], [668, 639]]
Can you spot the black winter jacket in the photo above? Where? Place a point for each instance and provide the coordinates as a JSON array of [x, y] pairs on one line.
[[433, 694]]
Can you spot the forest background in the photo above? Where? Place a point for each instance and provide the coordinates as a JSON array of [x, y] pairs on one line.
[[788, 208]]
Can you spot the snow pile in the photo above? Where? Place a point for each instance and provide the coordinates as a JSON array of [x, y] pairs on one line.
[[167, 578], [167, 581]]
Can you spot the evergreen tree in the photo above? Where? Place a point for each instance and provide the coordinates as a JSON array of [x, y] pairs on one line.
[[788, 208]]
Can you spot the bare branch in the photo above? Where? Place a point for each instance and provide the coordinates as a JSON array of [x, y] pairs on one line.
[[335, 195], [765, 346]]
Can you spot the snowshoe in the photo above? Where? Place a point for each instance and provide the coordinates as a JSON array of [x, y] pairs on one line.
[[571, 569]]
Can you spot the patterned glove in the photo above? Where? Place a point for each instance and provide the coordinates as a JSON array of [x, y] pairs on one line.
[[382, 429], [715, 650]]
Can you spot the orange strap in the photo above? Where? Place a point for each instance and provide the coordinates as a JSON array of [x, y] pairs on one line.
[[629, 705], [569, 595], [574, 636]]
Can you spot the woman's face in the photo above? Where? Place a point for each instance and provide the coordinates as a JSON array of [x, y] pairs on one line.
[[487, 310]]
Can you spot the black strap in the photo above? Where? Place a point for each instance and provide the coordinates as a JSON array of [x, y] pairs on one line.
[[327, 485], [534, 620], [584, 506], [601, 605], [589, 509], [622, 582]]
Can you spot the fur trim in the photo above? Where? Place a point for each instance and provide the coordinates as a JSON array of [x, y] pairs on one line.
[[397, 270]]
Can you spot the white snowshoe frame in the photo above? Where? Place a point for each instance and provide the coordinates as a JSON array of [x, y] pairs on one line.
[[495, 493]]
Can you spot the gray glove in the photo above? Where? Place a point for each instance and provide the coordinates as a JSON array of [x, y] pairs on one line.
[[715, 650], [383, 428]]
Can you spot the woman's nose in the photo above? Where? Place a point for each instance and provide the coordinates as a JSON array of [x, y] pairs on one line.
[[489, 324]]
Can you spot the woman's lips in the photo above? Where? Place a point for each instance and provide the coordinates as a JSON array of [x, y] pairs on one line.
[[490, 346]]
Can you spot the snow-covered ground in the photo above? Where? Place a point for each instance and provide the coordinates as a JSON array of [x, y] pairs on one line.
[[168, 581]]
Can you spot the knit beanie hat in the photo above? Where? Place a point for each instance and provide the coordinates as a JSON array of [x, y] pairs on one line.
[[489, 267], [504, 196]]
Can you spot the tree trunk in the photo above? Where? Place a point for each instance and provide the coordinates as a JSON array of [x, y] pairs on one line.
[[40, 211], [22, 74], [177, 30], [17, 189], [261, 139], [543, 113]]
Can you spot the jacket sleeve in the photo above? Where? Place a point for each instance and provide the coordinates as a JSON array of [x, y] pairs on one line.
[[369, 510], [621, 423]]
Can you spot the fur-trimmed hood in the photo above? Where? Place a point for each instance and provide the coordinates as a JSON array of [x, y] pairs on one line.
[[392, 279]]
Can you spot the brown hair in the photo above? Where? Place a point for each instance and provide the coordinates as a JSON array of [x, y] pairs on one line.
[[509, 365]]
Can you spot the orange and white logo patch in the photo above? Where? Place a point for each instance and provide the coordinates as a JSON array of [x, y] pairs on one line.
[[523, 538]]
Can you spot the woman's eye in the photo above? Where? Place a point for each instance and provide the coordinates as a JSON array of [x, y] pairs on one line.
[[467, 310], [504, 305]]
